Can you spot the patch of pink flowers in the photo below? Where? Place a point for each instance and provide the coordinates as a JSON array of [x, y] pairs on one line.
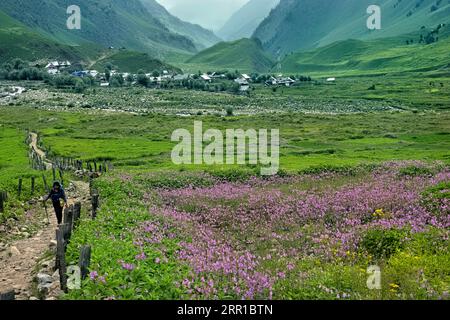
[[237, 227]]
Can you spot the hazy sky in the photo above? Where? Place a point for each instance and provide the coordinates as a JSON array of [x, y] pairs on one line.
[[211, 14]]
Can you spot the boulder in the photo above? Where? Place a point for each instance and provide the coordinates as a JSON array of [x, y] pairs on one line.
[[43, 279]]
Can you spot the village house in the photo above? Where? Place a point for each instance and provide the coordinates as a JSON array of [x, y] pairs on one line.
[[154, 79], [216, 75], [271, 81], [243, 83], [93, 73], [280, 81], [180, 77], [55, 67], [285, 81], [166, 75], [80, 74], [205, 78]]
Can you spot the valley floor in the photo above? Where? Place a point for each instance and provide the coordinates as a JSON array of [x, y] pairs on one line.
[[364, 181]]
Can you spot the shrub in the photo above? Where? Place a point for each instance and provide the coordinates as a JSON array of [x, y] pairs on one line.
[[80, 86], [381, 243], [415, 171]]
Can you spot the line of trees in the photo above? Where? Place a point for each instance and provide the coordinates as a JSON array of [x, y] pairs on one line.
[[19, 69]]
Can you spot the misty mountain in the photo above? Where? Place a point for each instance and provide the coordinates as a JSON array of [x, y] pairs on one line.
[[244, 22], [210, 14], [116, 23], [305, 24], [201, 37]]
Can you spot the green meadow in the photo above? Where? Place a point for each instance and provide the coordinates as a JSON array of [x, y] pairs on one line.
[[345, 124]]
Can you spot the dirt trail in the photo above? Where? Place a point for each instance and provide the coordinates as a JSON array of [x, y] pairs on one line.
[[19, 261], [41, 153], [17, 264]]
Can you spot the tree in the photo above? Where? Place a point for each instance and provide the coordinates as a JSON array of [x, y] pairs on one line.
[[109, 66], [130, 78], [19, 64], [107, 74], [142, 79], [155, 74], [79, 86], [235, 87], [116, 81]]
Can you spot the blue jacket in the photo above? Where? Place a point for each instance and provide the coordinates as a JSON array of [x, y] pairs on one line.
[[57, 195]]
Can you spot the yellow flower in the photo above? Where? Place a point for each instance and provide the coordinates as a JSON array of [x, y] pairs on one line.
[[394, 286]]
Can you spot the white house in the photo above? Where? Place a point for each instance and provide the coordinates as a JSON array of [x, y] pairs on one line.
[[216, 75], [155, 79], [65, 64], [331, 80], [52, 65], [242, 81], [180, 77], [93, 73], [246, 77], [55, 67], [52, 71], [286, 81], [271, 81], [205, 77]]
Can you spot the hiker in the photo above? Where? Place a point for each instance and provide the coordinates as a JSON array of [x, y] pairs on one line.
[[56, 194]]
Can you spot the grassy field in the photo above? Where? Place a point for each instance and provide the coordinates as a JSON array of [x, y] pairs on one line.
[[143, 141], [363, 181], [14, 164]]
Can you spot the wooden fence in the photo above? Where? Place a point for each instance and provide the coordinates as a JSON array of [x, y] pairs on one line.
[[63, 234]]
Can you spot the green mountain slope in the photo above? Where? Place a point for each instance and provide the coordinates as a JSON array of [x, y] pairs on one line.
[[244, 22], [130, 61], [18, 41], [201, 37], [245, 55], [305, 24], [374, 56], [115, 23]]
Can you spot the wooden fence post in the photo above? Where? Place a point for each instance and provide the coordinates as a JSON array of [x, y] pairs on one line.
[[3, 196], [76, 214], [32, 184], [45, 183], [61, 176], [94, 201], [19, 190], [90, 185], [85, 260], [68, 220], [61, 257]]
